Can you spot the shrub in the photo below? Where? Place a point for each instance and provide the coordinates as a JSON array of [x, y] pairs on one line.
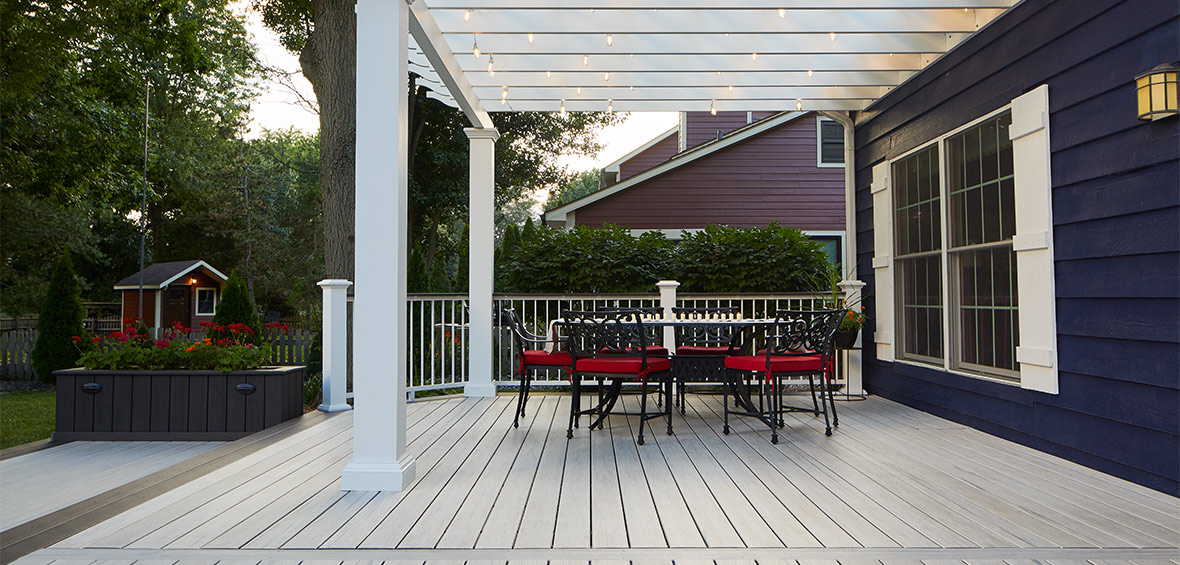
[[728, 259], [178, 349], [59, 322], [235, 307], [584, 259]]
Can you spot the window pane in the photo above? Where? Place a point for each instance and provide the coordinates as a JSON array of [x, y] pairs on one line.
[[981, 198], [918, 218], [205, 298], [832, 142], [920, 280], [987, 307]]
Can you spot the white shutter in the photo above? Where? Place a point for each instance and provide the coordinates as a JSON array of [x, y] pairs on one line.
[[883, 260], [1033, 242]]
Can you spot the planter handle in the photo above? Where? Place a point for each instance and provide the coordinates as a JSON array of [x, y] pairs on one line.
[[92, 388], [245, 388]]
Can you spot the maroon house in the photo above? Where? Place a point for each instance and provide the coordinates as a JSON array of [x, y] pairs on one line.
[[744, 169], [177, 291]]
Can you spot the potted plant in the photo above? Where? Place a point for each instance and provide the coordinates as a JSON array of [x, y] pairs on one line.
[[826, 285], [849, 328]]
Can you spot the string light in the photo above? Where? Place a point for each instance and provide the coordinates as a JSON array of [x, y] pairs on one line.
[[712, 108], [563, 106], [753, 57], [832, 36], [504, 95], [731, 88], [579, 91], [610, 106], [548, 74], [585, 60], [808, 73], [631, 55], [475, 46], [466, 15], [530, 38], [782, 14], [631, 88], [610, 40], [491, 71], [606, 76], [726, 34], [798, 104]]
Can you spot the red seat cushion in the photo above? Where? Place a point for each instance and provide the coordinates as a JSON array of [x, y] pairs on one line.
[[785, 364], [702, 350], [539, 357], [624, 365]]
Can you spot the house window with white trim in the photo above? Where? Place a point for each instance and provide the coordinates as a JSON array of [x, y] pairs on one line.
[[206, 301], [829, 143], [969, 176]]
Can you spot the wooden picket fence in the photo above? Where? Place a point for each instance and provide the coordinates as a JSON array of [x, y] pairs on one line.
[[16, 354], [16, 350]]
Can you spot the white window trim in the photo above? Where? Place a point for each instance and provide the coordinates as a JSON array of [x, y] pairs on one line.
[[197, 301], [1036, 355], [819, 144]]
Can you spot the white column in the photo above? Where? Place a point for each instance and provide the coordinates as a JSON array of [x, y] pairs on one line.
[[667, 302], [334, 336], [853, 357], [481, 262], [379, 458]]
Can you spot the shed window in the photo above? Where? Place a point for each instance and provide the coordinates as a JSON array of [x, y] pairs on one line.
[[206, 301], [831, 143]]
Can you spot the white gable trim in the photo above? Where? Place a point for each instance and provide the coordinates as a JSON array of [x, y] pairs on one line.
[[559, 214], [614, 167], [195, 266]]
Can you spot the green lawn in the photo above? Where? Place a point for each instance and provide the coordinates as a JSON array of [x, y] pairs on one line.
[[25, 416]]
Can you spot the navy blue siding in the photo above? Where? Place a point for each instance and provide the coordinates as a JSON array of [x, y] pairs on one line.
[[1116, 212]]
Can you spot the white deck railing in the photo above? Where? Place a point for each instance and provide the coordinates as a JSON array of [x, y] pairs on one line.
[[437, 330]]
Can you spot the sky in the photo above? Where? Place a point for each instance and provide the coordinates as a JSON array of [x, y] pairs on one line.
[[278, 107]]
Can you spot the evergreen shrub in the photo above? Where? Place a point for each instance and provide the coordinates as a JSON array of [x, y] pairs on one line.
[[234, 308], [59, 323]]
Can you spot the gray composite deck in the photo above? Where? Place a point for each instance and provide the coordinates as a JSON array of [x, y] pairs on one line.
[[41, 482], [893, 485]]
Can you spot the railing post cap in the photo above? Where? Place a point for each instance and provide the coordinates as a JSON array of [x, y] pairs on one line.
[[668, 284], [334, 283], [846, 284]]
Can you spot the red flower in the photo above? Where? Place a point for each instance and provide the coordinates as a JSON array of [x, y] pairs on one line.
[[222, 342], [285, 328], [116, 335], [96, 339], [76, 339], [161, 343]]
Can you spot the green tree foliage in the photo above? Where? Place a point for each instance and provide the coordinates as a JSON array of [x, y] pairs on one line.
[[236, 307], [583, 259], [729, 259], [579, 185], [60, 321], [610, 259]]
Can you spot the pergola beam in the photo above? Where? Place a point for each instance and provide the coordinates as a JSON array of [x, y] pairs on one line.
[[717, 4], [698, 63], [430, 41], [545, 44], [684, 93], [744, 105], [688, 78]]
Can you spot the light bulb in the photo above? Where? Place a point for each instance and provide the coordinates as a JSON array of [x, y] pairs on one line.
[[731, 88], [466, 15], [631, 88], [832, 36], [563, 106], [712, 108], [631, 55], [530, 38], [579, 91], [782, 14], [475, 46], [585, 60], [798, 104], [548, 74], [753, 57], [808, 73], [606, 76], [610, 40], [504, 92], [726, 34], [610, 106], [491, 59]]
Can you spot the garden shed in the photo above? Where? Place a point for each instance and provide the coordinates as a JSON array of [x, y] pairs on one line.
[[176, 291]]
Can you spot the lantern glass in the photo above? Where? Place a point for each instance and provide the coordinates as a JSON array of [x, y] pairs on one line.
[[1156, 93]]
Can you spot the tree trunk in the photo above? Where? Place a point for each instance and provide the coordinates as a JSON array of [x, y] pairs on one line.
[[329, 63]]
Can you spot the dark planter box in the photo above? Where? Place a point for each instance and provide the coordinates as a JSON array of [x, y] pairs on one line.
[[174, 405]]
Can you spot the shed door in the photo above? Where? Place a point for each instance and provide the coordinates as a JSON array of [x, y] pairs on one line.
[[175, 306]]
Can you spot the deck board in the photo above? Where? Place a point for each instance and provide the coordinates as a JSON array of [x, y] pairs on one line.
[[890, 484]]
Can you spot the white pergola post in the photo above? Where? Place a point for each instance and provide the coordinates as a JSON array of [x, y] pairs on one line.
[[379, 458], [335, 345], [481, 262]]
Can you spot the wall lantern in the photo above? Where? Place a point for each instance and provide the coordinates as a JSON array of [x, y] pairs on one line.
[[192, 281], [1156, 92]]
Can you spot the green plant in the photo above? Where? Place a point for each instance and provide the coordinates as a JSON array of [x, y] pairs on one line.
[[313, 384], [235, 307], [730, 259], [178, 349], [59, 321], [584, 259]]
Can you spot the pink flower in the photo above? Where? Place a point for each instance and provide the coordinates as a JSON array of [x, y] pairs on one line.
[[162, 343]]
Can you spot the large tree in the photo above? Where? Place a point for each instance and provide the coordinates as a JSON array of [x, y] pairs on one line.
[[323, 33]]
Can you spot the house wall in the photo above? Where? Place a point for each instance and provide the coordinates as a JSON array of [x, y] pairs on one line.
[[203, 281], [1116, 209], [702, 127], [770, 177], [648, 158], [131, 305]]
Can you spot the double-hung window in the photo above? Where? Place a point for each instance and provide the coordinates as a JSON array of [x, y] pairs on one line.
[[964, 250]]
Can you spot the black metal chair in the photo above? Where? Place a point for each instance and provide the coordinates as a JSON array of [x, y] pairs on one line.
[[653, 334], [613, 345], [701, 349], [531, 360], [797, 344]]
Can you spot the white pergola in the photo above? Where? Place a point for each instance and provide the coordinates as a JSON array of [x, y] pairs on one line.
[[832, 56]]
